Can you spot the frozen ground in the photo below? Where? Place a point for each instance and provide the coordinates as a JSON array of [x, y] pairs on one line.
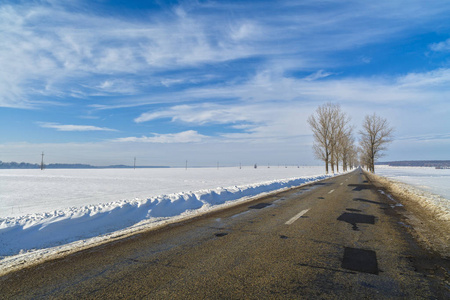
[[34, 191], [429, 179], [431, 186], [46, 212]]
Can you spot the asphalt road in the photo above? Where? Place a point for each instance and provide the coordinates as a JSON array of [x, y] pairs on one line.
[[339, 238]]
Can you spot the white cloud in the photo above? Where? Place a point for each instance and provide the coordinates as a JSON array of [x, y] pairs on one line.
[[257, 122], [47, 49], [199, 114], [271, 107], [433, 87], [115, 86], [431, 79], [189, 136], [61, 127], [318, 75], [441, 47], [245, 31]]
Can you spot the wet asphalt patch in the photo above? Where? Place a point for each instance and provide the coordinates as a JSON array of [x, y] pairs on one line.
[[221, 234], [360, 260], [368, 201], [360, 187], [260, 205], [355, 218]]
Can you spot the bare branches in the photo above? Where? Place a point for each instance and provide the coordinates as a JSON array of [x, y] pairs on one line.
[[334, 142], [331, 129], [321, 126], [375, 135]]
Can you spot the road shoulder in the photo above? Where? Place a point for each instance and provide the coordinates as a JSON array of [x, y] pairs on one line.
[[426, 225]]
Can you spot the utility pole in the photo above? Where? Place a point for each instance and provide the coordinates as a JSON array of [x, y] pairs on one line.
[[42, 161]]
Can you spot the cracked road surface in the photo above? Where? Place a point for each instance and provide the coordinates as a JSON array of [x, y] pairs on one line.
[[338, 238]]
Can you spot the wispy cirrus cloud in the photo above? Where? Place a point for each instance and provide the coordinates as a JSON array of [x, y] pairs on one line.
[[266, 121], [271, 106], [189, 136], [61, 127], [50, 50], [443, 46], [205, 113], [267, 86], [233, 71], [425, 137]]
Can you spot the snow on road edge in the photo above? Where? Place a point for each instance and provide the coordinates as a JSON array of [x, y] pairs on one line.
[[427, 214], [37, 237], [436, 205]]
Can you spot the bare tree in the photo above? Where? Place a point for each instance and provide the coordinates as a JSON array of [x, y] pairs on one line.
[[375, 136], [322, 126], [346, 148], [341, 131], [352, 157]]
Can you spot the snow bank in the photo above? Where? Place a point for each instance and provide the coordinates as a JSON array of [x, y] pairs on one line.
[[436, 205], [25, 192], [60, 227], [435, 181]]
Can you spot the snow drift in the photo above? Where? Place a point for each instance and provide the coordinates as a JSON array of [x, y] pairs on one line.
[[44, 230]]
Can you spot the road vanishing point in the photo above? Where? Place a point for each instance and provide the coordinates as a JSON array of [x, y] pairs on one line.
[[339, 238]]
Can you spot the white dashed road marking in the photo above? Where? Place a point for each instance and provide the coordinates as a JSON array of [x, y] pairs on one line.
[[297, 216], [330, 191]]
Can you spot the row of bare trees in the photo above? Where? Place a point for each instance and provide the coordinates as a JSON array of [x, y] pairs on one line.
[[334, 142]]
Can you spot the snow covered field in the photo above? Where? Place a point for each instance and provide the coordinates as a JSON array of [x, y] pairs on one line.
[[25, 192], [429, 179], [430, 185], [42, 209]]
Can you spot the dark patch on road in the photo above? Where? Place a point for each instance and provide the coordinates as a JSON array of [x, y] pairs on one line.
[[360, 187], [260, 205], [367, 201], [352, 209], [354, 218], [221, 234], [321, 198], [283, 237], [133, 260], [360, 260]]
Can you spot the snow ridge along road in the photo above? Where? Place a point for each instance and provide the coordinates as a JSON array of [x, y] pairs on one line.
[[90, 224], [352, 243]]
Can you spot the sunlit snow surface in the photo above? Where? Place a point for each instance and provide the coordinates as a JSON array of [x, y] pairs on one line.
[[436, 181], [42, 209]]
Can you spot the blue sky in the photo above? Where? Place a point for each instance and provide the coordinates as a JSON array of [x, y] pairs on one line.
[[102, 82]]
